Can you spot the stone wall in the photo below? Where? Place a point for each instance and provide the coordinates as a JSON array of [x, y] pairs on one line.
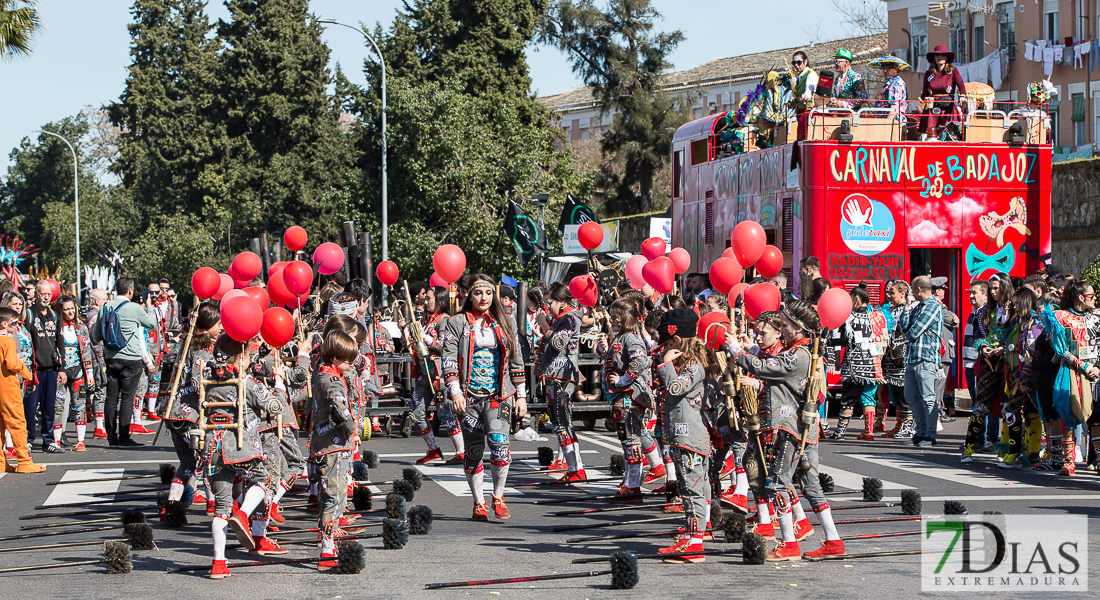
[[1075, 214]]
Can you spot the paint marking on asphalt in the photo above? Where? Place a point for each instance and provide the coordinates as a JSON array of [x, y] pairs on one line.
[[854, 481], [67, 493], [595, 439], [911, 464]]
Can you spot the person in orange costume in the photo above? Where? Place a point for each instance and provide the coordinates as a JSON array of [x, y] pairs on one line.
[[11, 395]]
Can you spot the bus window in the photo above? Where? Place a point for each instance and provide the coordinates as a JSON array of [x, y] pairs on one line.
[[699, 152], [677, 173]]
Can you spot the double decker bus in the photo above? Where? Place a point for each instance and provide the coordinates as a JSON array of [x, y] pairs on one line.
[[870, 205]]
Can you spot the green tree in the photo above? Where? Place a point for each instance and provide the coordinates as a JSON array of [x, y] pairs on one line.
[[19, 23], [169, 131], [617, 53]]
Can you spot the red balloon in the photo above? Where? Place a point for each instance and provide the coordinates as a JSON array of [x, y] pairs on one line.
[[680, 259], [583, 286], [297, 301], [258, 294], [770, 262], [590, 235], [724, 274], [246, 266], [449, 262], [205, 282], [748, 242], [736, 291], [329, 258], [276, 289], [761, 297], [660, 273], [728, 253], [276, 267], [225, 284], [241, 283], [387, 272], [833, 308], [437, 281], [633, 270], [712, 329], [277, 327], [233, 293], [55, 290], [241, 318], [298, 277], [653, 248], [295, 238]]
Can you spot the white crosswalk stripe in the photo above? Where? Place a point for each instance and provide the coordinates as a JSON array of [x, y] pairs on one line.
[[854, 481], [67, 493], [452, 479], [915, 465]]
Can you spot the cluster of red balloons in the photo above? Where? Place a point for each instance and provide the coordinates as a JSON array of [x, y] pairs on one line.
[[654, 268], [748, 247]]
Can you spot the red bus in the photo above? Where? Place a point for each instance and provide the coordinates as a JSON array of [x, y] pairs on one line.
[[869, 206]]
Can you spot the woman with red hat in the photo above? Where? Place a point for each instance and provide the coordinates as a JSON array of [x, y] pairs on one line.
[[941, 83]]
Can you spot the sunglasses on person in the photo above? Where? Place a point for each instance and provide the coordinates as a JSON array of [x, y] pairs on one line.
[[798, 63], [1086, 296]]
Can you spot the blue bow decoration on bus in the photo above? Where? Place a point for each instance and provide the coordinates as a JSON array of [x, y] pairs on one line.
[[978, 262]]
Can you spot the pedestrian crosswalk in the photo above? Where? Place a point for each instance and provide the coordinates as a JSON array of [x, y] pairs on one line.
[[69, 493]]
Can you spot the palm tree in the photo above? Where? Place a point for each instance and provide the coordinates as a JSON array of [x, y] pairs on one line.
[[18, 24]]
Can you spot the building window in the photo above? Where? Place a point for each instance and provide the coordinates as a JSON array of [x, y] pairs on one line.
[[979, 42], [919, 27], [1078, 118], [1051, 22], [1006, 21], [1054, 137], [957, 40]]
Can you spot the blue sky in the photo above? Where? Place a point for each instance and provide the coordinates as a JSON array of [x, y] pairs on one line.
[[82, 57]]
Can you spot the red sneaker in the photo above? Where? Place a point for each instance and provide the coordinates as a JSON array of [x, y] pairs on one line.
[[673, 508], [684, 545], [654, 474], [866, 435], [500, 508], [728, 467], [210, 508], [625, 494], [480, 512], [786, 551], [265, 547], [328, 561], [766, 530], [1069, 468], [434, 454], [457, 459], [101, 434], [347, 520], [829, 548], [139, 428], [151, 416], [10, 453], [557, 465], [219, 570], [79, 447], [276, 517], [738, 502], [658, 490], [803, 529], [200, 498], [238, 522], [573, 477]]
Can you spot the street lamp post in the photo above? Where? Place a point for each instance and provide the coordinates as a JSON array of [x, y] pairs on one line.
[[385, 199], [76, 203]]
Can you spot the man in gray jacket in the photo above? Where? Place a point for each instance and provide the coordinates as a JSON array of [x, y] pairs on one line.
[[124, 365]]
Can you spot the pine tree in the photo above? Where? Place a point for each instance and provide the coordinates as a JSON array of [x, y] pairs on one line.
[[165, 110], [616, 52]]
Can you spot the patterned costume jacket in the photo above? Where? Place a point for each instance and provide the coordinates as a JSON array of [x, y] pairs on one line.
[[785, 378], [626, 371], [186, 405], [458, 356], [863, 337], [561, 349], [682, 392], [333, 427], [221, 445]]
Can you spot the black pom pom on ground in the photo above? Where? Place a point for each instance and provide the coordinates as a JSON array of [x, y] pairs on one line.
[[624, 570], [672, 491], [546, 455], [351, 557], [396, 508], [420, 520], [361, 497], [167, 473], [359, 471], [754, 550], [872, 489], [175, 514], [370, 458], [117, 557], [953, 507], [733, 528], [162, 499], [911, 502], [404, 488], [132, 515], [395, 534], [716, 513], [618, 465], [413, 476], [826, 481], [140, 536]]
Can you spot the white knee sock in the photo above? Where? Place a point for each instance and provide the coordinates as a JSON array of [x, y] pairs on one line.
[[460, 444], [633, 475], [825, 518], [99, 421], [653, 457], [796, 508], [279, 491], [81, 431], [742, 486], [575, 450], [252, 498], [500, 477], [58, 429], [218, 529], [175, 491], [152, 405], [670, 470], [786, 525], [429, 439], [477, 481], [763, 513], [7, 440]]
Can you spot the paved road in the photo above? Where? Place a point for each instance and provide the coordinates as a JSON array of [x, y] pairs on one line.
[[458, 549]]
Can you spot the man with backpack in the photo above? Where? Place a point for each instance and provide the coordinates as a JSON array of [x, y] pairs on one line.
[[120, 326]]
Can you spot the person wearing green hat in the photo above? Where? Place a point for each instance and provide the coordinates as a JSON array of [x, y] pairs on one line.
[[848, 87]]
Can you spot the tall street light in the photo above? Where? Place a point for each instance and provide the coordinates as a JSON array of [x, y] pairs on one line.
[[385, 199], [76, 203]]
